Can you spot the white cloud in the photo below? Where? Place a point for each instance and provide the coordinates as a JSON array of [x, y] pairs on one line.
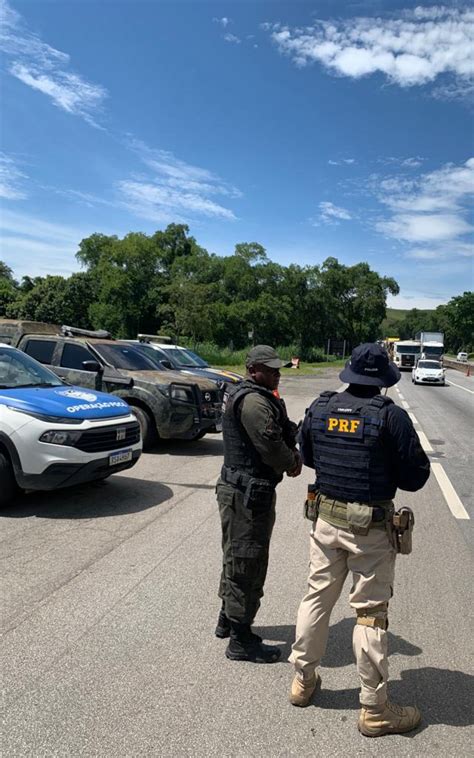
[[11, 179], [331, 214], [342, 162], [224, 21], [458, 249], [429, 211], [43, 68], [232, 38], [424, 227], [24, 224], [414, 161], [411, 50], [35, 247], [414, 299], [164, 204], [175, 191]]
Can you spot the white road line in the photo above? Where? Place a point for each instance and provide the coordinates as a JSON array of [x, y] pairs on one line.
[[450, 494], [413, 418], [405, 404], [424, 442], [401, 396], [460, 386]]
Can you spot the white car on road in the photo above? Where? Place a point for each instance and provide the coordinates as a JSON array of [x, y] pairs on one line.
[[462, 357], [428, 372]]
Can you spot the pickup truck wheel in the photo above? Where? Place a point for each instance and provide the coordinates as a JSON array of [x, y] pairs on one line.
[[200, 435], [146, 426], [8, 485]]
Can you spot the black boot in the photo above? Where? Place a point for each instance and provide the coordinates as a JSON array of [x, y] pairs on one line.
[[246, 646], [223, 625]]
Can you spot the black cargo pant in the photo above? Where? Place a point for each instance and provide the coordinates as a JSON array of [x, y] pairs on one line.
[[246, 537]]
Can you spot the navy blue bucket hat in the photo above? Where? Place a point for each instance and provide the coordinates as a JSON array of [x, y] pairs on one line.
[[370, 364]]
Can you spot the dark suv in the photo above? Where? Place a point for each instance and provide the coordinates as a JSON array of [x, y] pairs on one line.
[[166, 406]]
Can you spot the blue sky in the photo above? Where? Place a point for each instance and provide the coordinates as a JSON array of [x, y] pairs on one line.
[[318, 129]]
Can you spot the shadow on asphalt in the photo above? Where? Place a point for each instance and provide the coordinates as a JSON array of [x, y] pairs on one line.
[[118, 496], [443, 696], [339, 649], [209, 445]]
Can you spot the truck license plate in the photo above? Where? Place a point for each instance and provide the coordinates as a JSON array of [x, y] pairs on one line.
[[218, 426], [121, 457]]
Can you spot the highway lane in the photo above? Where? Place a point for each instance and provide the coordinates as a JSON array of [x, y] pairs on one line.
[[110, 604], [446, 416]]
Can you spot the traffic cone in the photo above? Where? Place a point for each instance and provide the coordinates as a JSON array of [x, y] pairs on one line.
[[468, 372]]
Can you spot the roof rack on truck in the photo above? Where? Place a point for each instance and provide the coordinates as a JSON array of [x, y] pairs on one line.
[[153, 338], [74, 331]]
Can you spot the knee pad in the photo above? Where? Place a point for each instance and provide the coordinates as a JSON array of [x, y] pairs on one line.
[[375, 617]]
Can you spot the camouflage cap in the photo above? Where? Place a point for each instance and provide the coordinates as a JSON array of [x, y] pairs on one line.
[[267, 356]]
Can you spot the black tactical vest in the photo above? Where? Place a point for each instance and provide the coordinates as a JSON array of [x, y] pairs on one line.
[[239, 453], [351, 460]]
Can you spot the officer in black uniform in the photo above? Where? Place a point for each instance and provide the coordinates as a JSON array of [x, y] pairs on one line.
[[363, 447], [259, 447]]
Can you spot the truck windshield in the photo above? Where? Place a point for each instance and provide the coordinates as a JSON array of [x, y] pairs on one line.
[[19, 370], [433, 351], [198, 361], [182, 358], [126, 357], [407, 349]]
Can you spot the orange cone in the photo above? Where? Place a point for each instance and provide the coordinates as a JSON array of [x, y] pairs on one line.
[[468, 372]]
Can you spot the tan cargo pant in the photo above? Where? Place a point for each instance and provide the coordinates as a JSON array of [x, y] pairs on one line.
[[371, 558]]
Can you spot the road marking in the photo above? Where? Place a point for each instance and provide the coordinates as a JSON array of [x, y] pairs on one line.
[[425, 442], [405, 404], [450, 495], [401, 396], [460, 386], [413, 418]]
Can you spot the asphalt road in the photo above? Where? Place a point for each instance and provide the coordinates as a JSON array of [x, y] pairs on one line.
[[109, 606]]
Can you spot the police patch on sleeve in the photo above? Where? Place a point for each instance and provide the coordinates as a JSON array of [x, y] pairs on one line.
[[345, 426]]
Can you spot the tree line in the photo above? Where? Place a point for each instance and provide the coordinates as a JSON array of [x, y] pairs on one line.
[[167, 283]]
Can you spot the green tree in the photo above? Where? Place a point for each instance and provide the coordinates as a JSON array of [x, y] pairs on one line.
[[56, 300], [456, 320], [8, 289]]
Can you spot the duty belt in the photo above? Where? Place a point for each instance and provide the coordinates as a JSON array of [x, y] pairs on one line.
[[335, 512], [239, 479]]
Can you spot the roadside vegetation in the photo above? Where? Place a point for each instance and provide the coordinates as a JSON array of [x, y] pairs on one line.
[[167, 283]]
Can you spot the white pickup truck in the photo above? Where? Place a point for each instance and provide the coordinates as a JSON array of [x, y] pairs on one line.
[[56, 435]]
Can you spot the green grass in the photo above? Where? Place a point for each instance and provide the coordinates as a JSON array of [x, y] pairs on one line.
[[306, 369]]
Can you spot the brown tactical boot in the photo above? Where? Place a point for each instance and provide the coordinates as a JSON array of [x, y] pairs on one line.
[[389, 718], [302, 690]]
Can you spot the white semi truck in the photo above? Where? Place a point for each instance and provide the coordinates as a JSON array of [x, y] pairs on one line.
[[406, 353], [431, 345]]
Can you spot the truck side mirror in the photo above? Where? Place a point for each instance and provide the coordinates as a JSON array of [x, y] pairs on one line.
[[166, 364], [92, 366]]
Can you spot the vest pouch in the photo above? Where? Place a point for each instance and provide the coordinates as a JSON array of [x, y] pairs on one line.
[[359, 518], [258, 494], [403, 522]]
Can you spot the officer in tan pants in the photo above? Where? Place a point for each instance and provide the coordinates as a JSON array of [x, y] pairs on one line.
[[362, 447]]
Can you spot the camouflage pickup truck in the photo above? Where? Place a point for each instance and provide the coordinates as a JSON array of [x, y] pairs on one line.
[[166, 406]]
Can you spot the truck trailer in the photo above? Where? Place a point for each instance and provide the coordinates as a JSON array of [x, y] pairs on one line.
[[432, 345]]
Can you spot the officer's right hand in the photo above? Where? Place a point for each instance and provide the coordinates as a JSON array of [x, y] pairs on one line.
[[296, 470]]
